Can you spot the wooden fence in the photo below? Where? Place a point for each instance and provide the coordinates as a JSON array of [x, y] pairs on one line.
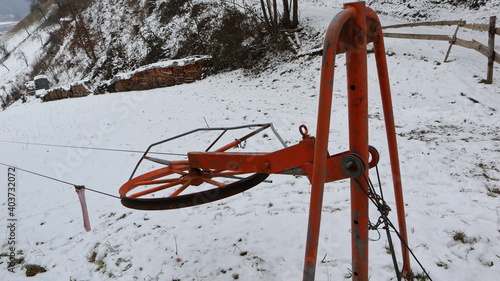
[[488, 51]]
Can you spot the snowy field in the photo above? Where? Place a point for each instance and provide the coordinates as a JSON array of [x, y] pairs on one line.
[[447, 125], [5, 26]]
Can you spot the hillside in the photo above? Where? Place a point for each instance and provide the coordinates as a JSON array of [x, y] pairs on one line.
[[69, 40], [447, 125], [5, 26], [85, 40]]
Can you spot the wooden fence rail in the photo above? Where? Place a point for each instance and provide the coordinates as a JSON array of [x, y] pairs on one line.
[[436, 37], [434, 23], [488, 51], [474, 45]]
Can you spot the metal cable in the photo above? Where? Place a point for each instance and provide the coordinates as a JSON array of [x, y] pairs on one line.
[[408, 247], [90, 148], [389, 224], [383, 213], [380, 207], [61, 181]]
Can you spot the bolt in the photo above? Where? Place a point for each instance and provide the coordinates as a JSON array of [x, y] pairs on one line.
[[267, 166]]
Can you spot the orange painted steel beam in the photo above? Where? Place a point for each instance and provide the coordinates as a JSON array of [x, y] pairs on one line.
[[357, 103], [349, 32], [330, 45], [375, 31], [240, 140], [269, 163], [294, 160]]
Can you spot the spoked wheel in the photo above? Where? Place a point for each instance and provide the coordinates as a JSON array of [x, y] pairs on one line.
[[179, 186]]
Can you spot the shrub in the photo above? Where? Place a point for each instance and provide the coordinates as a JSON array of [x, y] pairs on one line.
[[471, 4], [461, 237], [170, 9], [33, 269], [238, 39]]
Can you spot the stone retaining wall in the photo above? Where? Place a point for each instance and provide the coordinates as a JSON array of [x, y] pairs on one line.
[[162, 74], [74, 91], [158, 77]]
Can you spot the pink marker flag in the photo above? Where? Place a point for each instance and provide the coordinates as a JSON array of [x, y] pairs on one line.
[[80, 190]]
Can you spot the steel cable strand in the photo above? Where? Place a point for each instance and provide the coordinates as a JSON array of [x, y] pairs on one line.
[[90, 148], [61, 181], [389, 224], [395, 230], [383, 214], [408, 247]]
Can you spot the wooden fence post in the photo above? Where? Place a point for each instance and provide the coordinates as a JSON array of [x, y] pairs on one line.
[[491, 49], [452, 42]]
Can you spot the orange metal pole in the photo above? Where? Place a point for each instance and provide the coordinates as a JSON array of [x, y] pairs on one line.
[[353, 40], [321, 147], [357, 99], [390, 127], [240, 140]]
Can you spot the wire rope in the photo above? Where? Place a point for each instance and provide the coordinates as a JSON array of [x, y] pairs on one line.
[[90, 148], [388, 223], [61, 181]]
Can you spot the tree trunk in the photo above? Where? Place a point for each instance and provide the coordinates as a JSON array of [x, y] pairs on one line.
[[270, 12], [264, 13], [275, 8], [286, 14], [295, 15]]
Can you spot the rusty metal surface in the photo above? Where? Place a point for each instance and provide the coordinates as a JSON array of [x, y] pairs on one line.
[[390, 126], [357, 103], [350, 32], [280, 161], [330, 47]]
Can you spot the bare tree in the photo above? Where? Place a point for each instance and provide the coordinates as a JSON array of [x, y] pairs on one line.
[[286, 14], [5, 54], [41, 11], [271, 15], [5, 66], [83, 37], [2, 99], [23, 57], [3, 49], [27, 31], [295, 13], [39, 37], [34, 4]]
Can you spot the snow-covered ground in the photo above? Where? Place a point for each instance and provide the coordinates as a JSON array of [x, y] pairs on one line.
[[447, 124], [5, 26]]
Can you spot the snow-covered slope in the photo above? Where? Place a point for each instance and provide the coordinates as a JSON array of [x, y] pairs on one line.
[[447, 126], [5, 26], [432, 10]]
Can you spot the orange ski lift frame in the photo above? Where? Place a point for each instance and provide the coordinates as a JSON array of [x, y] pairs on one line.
[[218, 174]]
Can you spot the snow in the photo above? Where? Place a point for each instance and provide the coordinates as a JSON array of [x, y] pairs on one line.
[[5, 26], [447, 125], [41, 77]]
